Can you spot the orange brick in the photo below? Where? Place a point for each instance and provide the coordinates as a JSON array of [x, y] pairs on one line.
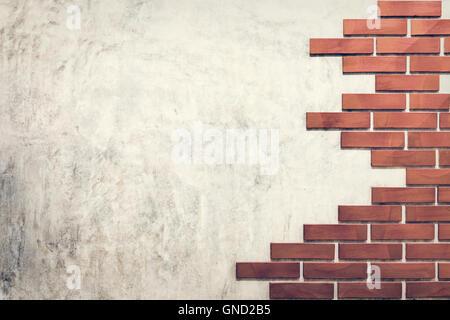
[[444, 270], [423, 101], [363, 64], [408, 45], [428, 139], [430, 27], [341, 120], [444, 194], [380, 101], [403, 195], [396, 120], [444, 157], [358, 27], [444, 121], [403, 158], [410, 8], [407, 82], [444, 232], [372, 139], [427, 176], [430, 64], [341, 46], [447, 45]]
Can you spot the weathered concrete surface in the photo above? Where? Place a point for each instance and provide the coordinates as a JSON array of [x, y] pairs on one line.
[[86, 120]]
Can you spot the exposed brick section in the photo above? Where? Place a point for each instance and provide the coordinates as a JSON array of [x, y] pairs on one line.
[[334, 232], [427, 176], [358, 27], [444, 194], [388, 290], [337, 120], [444, 232], [428, 101], [408, 45], [267, 270], [430, 64], [428, 289], [403, 158], [398, 134], [341, 46], [444, 157], [410, 8], [372, 140], [299, 290], [444, 271], [396, 120], [430, 27], [428, 214], [409, 270], [370, 213], [403, 195], [373, 251], [429, 139], [329, 270], [444, 121], [402, 232], [363, 64], [428, 251], [302, 251], [406, 82], [380, 101]]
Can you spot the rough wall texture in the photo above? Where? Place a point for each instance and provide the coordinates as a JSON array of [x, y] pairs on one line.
[[394, 127], [86, 121]]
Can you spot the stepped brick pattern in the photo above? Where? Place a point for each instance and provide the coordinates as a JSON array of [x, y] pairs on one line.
[[405, 231]]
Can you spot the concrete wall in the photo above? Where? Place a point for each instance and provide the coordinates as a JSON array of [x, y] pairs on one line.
[[86, 120]]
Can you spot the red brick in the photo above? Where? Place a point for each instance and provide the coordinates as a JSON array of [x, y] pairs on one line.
[[330, 270], [341, 46], [334, 232], [403, 158], [406, 82], [444, 120], [337, 120], [302, 251], [402, 232], [372, 140], [380, 101], [366, 251], [370, 213], [444, 232], [403, 195], [430, 27], [301, 290], [430, 64], [427, 213], [444, 157], [427, 289], [358, 27], [447, 45], [359, 290], [410, 8], [428, 251], [424, 101], [363, 64], [428, 139], [401, 120], [444, 194], [267, 270], [427, 176], [399, 270], [408, 45], [444, 270]]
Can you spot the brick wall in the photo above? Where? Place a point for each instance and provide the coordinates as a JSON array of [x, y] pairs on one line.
[[405, 124]]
